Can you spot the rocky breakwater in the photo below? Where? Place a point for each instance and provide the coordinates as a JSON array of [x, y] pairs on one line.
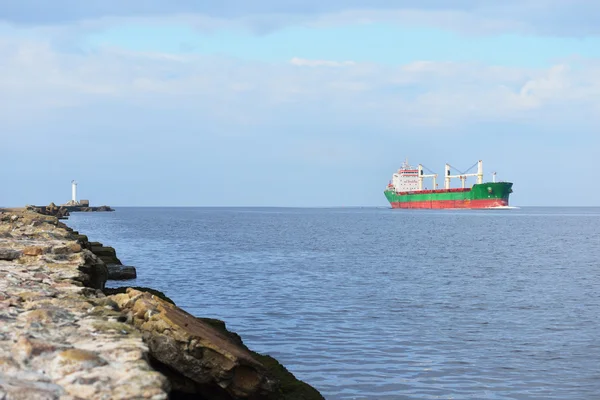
[[51, 209], [63, 335], [62, 212], [108, 255], [89, 209]]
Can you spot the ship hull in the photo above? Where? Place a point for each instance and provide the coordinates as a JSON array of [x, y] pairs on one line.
[[480, 196]]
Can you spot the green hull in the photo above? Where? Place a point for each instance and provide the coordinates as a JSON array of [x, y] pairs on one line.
[[485, 195]]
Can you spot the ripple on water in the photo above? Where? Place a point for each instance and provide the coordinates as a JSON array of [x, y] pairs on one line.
[[380, 304]]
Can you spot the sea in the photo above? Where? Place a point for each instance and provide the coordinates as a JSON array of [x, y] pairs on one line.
[[374, 303]]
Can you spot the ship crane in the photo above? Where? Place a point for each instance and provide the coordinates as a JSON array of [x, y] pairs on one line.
[[463, 176], [422, 176]]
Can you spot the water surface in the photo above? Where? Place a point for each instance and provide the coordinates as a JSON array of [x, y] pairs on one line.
[[373, 303]]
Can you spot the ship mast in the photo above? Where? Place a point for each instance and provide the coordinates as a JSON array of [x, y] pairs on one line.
[[405, 164]]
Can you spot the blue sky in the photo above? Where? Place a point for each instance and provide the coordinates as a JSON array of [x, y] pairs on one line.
[[381, 43], [294, 103]]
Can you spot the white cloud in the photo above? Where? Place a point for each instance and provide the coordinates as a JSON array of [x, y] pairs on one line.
[[37, 79]]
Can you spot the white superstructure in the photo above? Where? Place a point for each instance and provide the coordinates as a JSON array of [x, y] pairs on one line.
[[406, 179], [410, 179]]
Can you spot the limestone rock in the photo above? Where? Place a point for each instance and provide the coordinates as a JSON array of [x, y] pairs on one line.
[[95, 270], [58, 338], [103, 251], [62, 338], [208, 359], [123, 289], [33, 251], [108, 255], [9, 254], [74, 247], [51, 209], [195, 349], [71, 360], [120, 272], [61, 250], [110, 260], [82, 239]]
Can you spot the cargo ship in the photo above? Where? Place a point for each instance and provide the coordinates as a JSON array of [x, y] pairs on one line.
[[406, 190]]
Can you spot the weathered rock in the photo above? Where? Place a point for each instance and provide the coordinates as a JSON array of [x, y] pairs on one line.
[[110, 260], [208, 359], [9, 254], [195, 349], [95, 270], [120, 272], [103, 251], [108, 255], [87, 208], [59, 339], [34, 251], [61, 249], [68, 361], [74, 247], [288, 386], [82, 239], [123, 289], [51, 210]]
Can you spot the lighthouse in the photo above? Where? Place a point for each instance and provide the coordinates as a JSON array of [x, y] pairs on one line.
[[74, 191]]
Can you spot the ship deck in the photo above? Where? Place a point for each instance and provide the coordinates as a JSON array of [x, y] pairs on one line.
[[431, 191]]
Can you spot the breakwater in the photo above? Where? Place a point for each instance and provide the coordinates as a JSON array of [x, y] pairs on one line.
[[63, 211], [64, 335]]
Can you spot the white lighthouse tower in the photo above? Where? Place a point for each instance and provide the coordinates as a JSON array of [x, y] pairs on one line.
[[74, 192]]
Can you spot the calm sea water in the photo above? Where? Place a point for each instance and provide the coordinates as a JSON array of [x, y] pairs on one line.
[[386, 304]]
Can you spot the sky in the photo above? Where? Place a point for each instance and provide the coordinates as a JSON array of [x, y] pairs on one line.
[[295, 103]]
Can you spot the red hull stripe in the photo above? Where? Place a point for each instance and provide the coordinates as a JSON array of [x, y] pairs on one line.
[[438, 204]]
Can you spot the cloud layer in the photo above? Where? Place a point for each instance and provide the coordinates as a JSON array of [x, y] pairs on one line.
[[161, 121], [35, 75], [554, 17]]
